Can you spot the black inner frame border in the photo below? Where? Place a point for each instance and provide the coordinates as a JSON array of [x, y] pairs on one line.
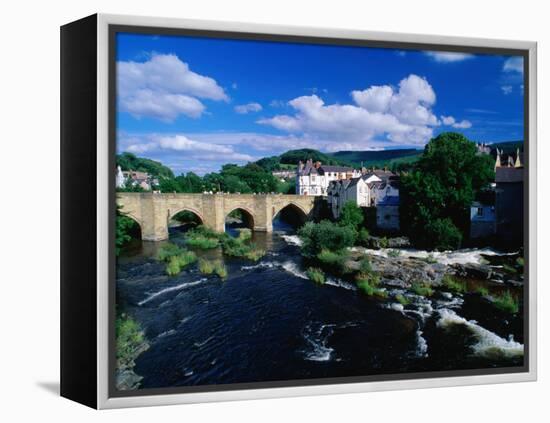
[[114, 29]]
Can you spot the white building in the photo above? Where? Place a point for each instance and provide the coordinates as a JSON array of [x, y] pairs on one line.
[[368, 190], [314, 178], [120, 180]]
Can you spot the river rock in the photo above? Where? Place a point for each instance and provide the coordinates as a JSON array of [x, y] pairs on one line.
[[127, 380], [377, 243], [473, 270]]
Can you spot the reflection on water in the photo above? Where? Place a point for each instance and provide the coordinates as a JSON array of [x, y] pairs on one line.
[[268, 322]]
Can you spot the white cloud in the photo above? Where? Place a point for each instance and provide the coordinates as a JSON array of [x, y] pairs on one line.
[[507, 89], [451, 121], [164, 87], [448, 56], [513, 64], [375, 98], [193, 149], [380, 113], [243, 109]]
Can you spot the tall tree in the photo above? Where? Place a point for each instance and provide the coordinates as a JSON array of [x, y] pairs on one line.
[[436, 196]]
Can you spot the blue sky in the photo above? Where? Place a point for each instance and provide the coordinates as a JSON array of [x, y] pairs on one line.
[[197, 103]]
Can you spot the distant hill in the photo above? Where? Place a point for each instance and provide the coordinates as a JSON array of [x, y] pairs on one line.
[[294, 156], [379, 158], [129, 161]]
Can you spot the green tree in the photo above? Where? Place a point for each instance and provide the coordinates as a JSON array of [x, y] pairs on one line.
[[436, 196], [168, 185], [122, 231], [351, 215], [129, 161], [325, 236]]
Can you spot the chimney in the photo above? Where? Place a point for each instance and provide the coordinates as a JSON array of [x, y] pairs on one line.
[[300, 165]]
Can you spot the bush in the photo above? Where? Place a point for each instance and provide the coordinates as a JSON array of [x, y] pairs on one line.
[[206, 267], [506, 302], [441, 235], [177, 263], [335, 262], [235, 247], [365, 266], [383, 242], [325, 235], [368, 284], [422, 289], [130, 340], [245, 234], [167, 251], [394, 253], [401, 299], [454, 285], [254, 253], [351, 215], [482, 290], [316, 275], [203, 238], [220, 269], [363, 237]]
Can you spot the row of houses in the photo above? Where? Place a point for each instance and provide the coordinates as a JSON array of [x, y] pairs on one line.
[[134, 178], [340, 184]]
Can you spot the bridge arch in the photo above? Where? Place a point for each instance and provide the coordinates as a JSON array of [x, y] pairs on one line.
[[248, 217], [292, 213], [137, 231], [172, 213]]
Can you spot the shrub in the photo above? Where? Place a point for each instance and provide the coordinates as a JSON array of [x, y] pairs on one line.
[[401, 299], [506, 302], [172, 267], [383, 242], [454, 285], [422, 289], [394, 253], [365, 266], [129, 340], [482, 290], [368, 284], [325, 235], [237, 248], [245, 234], [333, 261], [203, 238], [177, 263], [316, 275], [167, 251], [254, 253], [351, 215], [520, 261], [220, 269], [363, 237], [430, 259], [442, 234], [206, 267]]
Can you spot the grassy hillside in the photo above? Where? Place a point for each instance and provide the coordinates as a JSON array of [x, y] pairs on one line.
[[128, 161], [381, 158]]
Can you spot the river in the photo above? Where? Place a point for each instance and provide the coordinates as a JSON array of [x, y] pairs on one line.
[[268, 322]]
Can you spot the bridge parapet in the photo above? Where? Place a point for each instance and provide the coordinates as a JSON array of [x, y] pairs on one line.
[[154, 211]]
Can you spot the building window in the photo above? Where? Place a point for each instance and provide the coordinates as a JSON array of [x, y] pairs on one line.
[[480, 211]]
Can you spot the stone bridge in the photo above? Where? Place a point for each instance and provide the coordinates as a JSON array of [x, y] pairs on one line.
[[153, 211]]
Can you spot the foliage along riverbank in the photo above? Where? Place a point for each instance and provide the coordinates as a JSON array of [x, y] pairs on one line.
[[130, 343]]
